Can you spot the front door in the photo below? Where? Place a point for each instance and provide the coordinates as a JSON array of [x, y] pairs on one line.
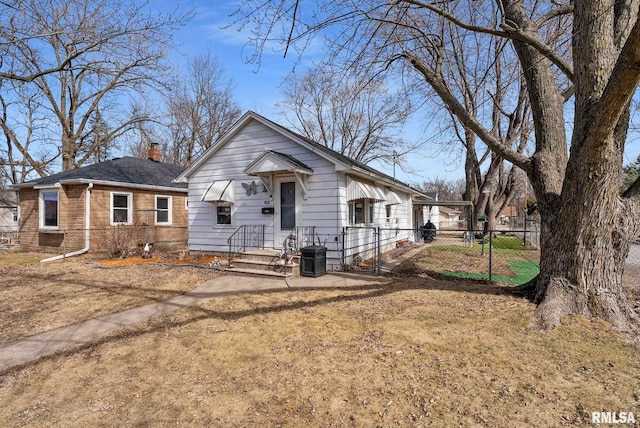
[[286, 210]]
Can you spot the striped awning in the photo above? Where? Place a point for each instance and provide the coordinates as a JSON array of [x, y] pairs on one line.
[[393, 198], [220, 191], [360, 190]]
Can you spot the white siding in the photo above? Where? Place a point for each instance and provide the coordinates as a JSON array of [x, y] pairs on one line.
[[319, 209], [325, 207], [359, 241], [6, 219]]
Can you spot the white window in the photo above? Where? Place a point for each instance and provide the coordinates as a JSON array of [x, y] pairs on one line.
[[49, 210], [223, 213], [387, 209], [163, 210], [121, 208], [361, 212], [15, 215]]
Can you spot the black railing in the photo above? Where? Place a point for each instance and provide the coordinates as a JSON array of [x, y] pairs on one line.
[[305, 236], [246, 236]]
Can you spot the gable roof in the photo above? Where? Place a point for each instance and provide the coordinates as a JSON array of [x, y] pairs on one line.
[[124, 172], [269, 158], [341, 161], [449, 211]]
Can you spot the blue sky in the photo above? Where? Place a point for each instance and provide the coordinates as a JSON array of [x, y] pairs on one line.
[[260, 89]]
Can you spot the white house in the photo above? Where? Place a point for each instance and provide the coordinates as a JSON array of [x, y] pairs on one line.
[[261, 183], [8, 210], [449, 217]]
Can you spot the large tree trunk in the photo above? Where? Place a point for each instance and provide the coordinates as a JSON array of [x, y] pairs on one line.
[[586, 227], [69, 151], [582, 260]]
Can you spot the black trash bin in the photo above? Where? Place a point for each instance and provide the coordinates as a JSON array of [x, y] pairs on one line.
[[313, 261]]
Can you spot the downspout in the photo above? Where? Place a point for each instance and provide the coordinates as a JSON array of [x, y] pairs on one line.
[[87, 229]]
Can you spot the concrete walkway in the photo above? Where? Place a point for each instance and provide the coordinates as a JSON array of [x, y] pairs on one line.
[[31, 348]]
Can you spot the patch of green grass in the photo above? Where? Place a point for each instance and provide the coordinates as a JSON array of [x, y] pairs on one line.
[[524, 271], [501, 242], [504, 242]]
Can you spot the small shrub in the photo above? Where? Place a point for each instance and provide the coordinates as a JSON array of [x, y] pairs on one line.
[[120, 239]]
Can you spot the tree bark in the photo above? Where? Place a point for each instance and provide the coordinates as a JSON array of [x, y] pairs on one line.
[[587, 227]]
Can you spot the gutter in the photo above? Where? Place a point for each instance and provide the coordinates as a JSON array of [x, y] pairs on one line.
[[87, 230]]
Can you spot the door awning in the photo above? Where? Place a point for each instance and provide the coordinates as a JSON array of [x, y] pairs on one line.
[[361, 190], [220, 191], [393, 198], [271, 162]]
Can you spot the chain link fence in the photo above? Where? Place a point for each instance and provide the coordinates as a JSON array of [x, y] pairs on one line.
[[509, 256], [114, 241]]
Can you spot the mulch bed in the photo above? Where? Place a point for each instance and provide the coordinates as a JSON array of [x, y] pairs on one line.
[[188, 259]]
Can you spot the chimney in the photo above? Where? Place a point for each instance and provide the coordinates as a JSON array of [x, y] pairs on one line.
[[154, 152]]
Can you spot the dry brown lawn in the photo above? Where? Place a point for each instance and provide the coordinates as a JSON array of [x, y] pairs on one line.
[[409, 352], [36, 297]]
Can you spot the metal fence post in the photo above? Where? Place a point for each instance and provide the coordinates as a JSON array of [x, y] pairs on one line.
[[344, 254], [490, 254], [379, 256]]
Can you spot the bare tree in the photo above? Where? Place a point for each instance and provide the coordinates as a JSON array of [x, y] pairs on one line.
[[25, 153], [483, 74], [447, 190], [201, 109], [587, 225], [354, 115], [85, 56]]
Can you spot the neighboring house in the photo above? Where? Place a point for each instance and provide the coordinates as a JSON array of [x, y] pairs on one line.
[[9, 212], [78, 209], [263, 179], [449, 218], [510, 212]]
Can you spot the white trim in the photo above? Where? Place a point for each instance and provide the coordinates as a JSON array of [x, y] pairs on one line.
[[41, 209], [302, 179], [368, 207], [278, 233], [271, 161], [215, 215], [169, 210], [129, 196], [103, 183]]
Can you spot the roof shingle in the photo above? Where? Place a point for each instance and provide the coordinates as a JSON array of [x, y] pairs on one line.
[[128, 170]]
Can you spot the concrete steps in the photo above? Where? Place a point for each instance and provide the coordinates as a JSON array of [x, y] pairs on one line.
[[264, 263]]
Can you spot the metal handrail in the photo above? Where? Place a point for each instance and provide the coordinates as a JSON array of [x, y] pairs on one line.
[[247, 235], [305, 235]]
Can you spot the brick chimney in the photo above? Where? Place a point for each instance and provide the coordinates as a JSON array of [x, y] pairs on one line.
[[154, 152]]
